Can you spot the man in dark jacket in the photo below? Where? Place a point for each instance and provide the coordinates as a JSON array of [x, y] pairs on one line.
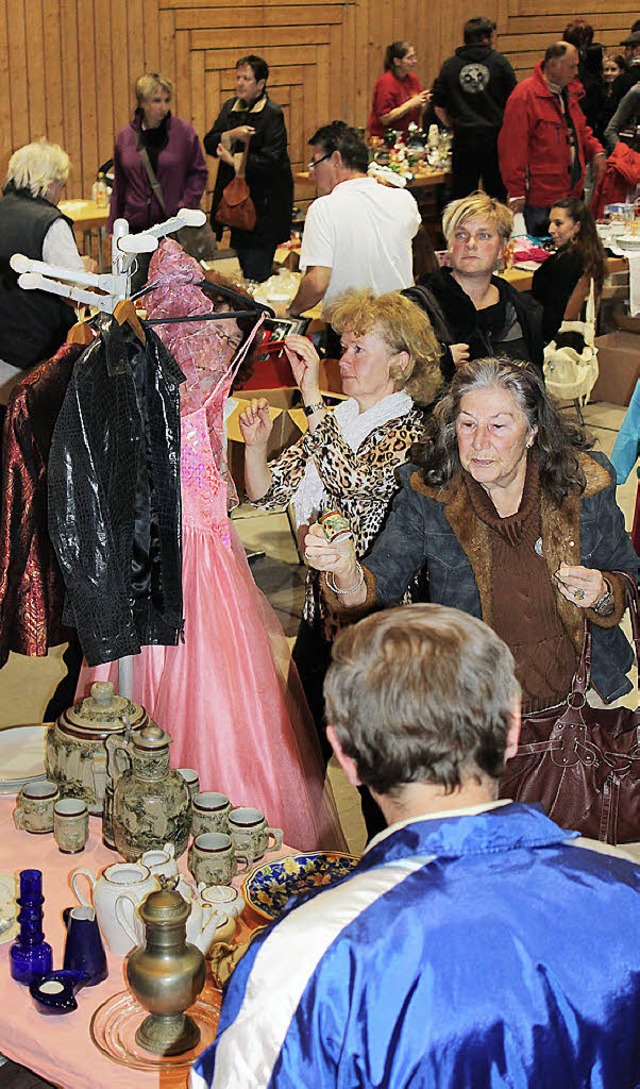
[[469, 97]]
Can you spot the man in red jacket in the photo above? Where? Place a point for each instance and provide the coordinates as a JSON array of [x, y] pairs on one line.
[[545, 141]]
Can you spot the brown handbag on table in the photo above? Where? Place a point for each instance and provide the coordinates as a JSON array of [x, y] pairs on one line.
[[582, 763], [236, 208], [198, 242]]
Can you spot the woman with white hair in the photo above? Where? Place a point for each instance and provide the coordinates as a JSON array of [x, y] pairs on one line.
[[33, 324]]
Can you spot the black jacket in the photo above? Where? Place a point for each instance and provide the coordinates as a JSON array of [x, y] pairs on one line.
[[268, 172], [114, 495], [473, 87], [455, 320]]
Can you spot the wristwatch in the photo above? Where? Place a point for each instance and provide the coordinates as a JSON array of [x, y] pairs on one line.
[[606, 604], [310, 409]]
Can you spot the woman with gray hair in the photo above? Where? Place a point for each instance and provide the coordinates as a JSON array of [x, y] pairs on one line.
[[33, 324], [514, 522]]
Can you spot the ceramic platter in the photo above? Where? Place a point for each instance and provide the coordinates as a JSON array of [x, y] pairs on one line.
[[629, 242], [8, 907], [115, 1023], [22, 750], [270, 885]]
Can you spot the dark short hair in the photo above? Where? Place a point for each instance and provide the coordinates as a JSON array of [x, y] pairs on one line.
[[338, 136], [579, 33], [555, 51], [478, 29], [258, 66], [421, 694]]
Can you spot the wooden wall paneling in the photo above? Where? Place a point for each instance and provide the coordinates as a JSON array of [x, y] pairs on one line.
[[151, 43], [104, 87], [135, 34], [182, 88], [72, 141], [53, 69], [312, 119], [335, 47], [123, 93], [297, 142], [362, 96], [89, 160], [17, 41], [198, 92], [35, 58], [322, 84], [5, 99], [166, 21], [348, 62], [253, 16]]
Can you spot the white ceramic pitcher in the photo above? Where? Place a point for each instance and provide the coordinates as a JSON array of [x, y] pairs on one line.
[[122, 880]]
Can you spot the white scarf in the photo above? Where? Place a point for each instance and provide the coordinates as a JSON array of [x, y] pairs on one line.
[[310, 495]]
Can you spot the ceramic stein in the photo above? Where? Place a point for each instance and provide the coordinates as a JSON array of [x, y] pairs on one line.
[[210, 813], [34, 807], [250, 832], [70, 825], [192, 779], [122, 879], [213, 860]]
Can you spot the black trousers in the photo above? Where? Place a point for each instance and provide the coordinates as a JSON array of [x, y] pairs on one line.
[[472, 158]]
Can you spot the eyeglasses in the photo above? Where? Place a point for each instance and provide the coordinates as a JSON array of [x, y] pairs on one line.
[[316, 162], [233, 342]]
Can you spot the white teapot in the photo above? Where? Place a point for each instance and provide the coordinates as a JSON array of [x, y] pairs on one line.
[[202, 923], [123, 881]]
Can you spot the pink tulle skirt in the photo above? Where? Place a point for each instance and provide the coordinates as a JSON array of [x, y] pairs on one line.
[[231, 698]]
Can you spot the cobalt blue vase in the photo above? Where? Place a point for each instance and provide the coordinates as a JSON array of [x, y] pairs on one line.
[[30, 955]]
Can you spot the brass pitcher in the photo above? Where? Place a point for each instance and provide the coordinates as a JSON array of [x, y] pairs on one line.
[[151, 802], [167, 975]]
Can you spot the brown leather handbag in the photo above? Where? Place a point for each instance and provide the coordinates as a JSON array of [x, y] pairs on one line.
[[582, 763], [236, 208]]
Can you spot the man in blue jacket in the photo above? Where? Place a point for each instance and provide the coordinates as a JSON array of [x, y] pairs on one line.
[[476, 943]]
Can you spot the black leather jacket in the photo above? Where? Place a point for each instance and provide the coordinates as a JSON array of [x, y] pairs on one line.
[[114, 495]]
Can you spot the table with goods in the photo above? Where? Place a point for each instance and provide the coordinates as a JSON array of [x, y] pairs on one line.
[[128, 891]]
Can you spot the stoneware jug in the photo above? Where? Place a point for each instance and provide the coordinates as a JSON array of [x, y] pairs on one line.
[[122, 879], [76, 756], [151, 802]]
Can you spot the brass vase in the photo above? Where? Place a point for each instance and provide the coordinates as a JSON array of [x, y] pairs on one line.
[[167, 975]]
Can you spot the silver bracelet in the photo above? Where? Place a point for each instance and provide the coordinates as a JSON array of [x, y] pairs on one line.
[[331, 582], [606, 605]]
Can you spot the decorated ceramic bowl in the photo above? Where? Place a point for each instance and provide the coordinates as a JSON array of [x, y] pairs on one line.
[[268, 888]]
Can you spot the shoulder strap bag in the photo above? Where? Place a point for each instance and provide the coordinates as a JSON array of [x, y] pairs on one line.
[[198, 242], [236, 208], [582, 763]]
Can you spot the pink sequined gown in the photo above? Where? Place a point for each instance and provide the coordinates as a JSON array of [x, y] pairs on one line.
[[229, 696]]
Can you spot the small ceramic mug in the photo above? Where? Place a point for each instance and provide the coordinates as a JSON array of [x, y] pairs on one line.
[[70, 825], [250, 832], [213, 860], [34, 807], [192, 779], [210, 813]]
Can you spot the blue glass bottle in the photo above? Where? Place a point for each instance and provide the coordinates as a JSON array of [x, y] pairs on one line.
[[30, 955]]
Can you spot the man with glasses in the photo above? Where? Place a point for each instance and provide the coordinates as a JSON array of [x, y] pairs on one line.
[[357, 233]]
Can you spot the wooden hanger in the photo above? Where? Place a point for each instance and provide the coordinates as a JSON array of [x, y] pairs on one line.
[[125, 314], [81, 333]]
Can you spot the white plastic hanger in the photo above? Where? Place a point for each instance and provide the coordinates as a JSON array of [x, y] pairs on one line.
[[116, 285]]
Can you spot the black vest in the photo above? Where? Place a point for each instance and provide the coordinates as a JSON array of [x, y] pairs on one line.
[[33, 324]]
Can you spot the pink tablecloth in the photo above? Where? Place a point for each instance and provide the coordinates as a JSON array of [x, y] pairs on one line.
[[60, 1048]]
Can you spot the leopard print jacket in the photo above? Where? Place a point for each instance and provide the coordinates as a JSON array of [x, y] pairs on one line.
[[360, 484]]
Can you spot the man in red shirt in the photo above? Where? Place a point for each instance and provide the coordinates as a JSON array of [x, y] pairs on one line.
[[545, 141]]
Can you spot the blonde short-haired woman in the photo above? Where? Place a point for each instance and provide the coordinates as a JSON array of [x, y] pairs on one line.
[[474, 312]]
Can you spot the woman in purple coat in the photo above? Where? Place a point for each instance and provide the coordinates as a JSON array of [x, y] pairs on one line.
[[175, 157]]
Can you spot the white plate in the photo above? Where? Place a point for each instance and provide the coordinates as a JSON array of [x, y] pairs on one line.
[[629, 241], [22, 751]]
